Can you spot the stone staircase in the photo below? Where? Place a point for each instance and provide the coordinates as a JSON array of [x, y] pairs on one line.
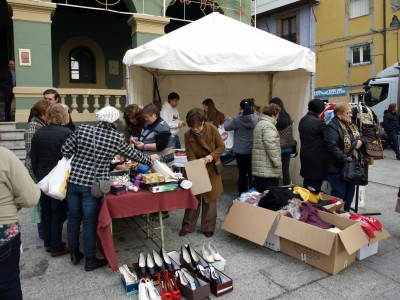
[[13, 139]]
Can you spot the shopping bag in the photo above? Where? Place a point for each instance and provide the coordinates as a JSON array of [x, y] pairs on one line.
[[164, 170], [59, 179], [44, 183], [36, 216], [227, 136]]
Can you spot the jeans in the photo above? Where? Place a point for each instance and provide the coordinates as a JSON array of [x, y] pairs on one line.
[[54, 214], [341, 189], [285, 158], [82, 207], [391, 139], [10, 284], [245, 178], [175, 142]]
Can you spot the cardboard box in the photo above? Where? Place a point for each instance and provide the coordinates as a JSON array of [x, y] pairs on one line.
[[372, 247], [325, 250], [130, 289], [253, 223], [163, 188], [197, 173], [152, 178], [118, 189]]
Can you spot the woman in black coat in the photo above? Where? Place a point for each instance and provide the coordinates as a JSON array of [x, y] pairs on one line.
[[45, 154], [312, 151]]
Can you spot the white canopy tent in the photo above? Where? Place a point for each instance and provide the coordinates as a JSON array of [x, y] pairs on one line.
[[220, 58]]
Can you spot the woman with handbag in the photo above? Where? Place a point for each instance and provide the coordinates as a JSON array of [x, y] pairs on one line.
[[93, 148], [341, 135], [287, 141], [203, 141]]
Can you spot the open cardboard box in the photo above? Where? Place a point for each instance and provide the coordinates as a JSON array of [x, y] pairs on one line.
[[372, 247], [325, 250], [253, 223]]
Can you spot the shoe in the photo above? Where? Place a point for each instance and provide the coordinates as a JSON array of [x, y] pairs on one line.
[[215, 276], [165, 214], [150, 265], [66, 250], [193, 255], [152, 291], [93, 263], [47, 249], [142, 265], [158, 261], [76, 256], [208, 233], [183, 232], [214, 251], [185, 257], [182, 279], [206, 253], [173, 287], [166, 259], [164, 286], [191, 279], [143, 294]]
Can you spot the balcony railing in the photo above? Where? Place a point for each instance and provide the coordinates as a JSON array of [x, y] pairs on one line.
[[83, 103]]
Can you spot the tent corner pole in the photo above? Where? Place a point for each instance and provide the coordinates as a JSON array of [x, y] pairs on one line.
[[128, 86]]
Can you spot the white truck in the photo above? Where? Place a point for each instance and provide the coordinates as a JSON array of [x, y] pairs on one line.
[[382, 90]]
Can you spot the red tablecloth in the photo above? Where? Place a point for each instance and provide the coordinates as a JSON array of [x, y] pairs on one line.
[[133, 204]]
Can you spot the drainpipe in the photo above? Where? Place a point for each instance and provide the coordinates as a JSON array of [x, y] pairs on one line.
[[384, 34]]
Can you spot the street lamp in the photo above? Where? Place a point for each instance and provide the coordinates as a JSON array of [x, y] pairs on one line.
[[395, 23]]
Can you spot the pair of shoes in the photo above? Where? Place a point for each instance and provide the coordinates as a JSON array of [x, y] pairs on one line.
[[147, 291], [146, 266], [189, 257], [188, 279], [208, 233], [76, 256], [66, 250], [210, 252], [93, 263], [159, 262], [162, 261], [183, 232], [168, 287]]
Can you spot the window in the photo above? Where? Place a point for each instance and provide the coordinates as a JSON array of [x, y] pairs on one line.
[[289, 29], [358, 8], [376, 94], [361, 55], [82, 65]]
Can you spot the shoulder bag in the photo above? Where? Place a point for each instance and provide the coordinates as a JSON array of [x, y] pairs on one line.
[[99, 187], [354, 170]]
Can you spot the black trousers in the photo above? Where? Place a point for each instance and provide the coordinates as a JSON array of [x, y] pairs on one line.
[[243, 162], [7, 107]]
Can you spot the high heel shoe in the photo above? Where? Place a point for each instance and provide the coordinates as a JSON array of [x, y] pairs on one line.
[[191, 279], [150, 265], [206, 252], [142, 265], [185, 257], [214, 251], [193, 255], [158, 261], [182, 279], [164, 286], [215, 276], [152, 291], [173, 288], [143, 294], [166, 259]]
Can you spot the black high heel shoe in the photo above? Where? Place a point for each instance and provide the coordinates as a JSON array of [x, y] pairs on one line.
[[166, 259], [186, 258], [142, 265], [194, 257], [150, 265], [158, 261], [215, 276]]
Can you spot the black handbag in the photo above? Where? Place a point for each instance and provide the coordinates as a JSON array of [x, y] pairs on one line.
[[354, 171]]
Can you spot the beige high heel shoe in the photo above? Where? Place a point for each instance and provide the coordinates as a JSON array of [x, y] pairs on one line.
[[214, 251]]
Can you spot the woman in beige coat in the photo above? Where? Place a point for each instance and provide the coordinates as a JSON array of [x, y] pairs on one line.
[[203, 141], [266, 162]]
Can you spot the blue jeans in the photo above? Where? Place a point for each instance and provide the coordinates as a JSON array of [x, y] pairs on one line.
[[175, 142], [82, 207], [10, 284], [341, 189]]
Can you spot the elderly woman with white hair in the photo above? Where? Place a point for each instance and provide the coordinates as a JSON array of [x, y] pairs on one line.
[[93, 148]]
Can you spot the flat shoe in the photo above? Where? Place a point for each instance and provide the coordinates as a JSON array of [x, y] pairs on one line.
[[183, 232], [60, 253], [208, 233]]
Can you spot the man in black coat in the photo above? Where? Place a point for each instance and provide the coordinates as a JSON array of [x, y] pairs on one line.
[[391, 125], [7, 83], [312, 151]]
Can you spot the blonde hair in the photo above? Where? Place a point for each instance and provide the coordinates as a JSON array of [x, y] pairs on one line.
[[40, 107], [57, 113], [341, 107]]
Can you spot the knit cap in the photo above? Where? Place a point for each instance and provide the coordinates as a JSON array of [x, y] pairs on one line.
[[317, 106], [107, 114]]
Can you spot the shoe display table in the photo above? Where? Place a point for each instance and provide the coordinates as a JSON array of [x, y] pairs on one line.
[[136, 204]]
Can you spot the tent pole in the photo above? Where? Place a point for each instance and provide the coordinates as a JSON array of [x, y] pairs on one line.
[[128, 85], [270, 82]]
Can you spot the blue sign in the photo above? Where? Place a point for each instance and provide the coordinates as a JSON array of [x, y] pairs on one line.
[[330, 93]]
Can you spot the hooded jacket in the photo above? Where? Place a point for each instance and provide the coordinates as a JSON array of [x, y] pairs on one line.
[[243, 136]]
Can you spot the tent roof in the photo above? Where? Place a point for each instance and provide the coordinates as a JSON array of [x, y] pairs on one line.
[[216, 43]]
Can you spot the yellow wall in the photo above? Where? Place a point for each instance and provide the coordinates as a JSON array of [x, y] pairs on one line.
[[335, 33]]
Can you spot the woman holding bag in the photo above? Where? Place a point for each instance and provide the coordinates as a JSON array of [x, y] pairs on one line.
[[340, 135], [45, 154]]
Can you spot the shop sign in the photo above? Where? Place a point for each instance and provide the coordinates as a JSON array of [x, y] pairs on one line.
[[330, 92]]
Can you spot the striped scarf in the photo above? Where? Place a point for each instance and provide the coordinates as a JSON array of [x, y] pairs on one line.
[[346, 135]]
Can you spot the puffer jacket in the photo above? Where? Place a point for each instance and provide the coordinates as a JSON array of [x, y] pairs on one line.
[[266, 155]]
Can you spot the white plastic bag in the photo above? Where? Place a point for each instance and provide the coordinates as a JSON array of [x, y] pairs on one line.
[[59, 180], [165, 171], [227, 136], [44, 183]]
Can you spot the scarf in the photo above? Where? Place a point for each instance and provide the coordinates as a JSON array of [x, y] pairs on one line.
[[346, 135]]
